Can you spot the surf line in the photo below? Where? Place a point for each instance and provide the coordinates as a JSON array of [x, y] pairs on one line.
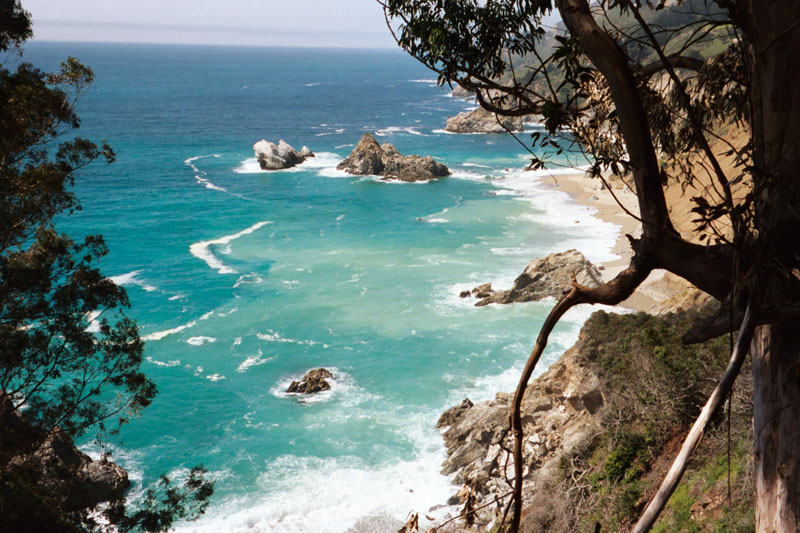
[[201, 176], [202, 249]]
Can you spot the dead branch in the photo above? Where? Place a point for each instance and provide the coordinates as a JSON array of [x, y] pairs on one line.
[[719, 394]]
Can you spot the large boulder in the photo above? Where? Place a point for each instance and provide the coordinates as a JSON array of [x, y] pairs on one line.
[[313, 381], [370, 158], [482, 121], [546, 276], [279, 156]]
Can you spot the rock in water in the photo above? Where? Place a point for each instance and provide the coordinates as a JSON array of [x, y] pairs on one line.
[[279, 156], [313, 381], [546, 276], [369, 158], [482, 121]]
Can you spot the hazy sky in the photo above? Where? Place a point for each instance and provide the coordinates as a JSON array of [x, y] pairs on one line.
[[348, 23]]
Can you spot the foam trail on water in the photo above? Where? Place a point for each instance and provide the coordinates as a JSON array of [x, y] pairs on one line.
[[158, 335], [592, 236], [341, 494], [200, 175], [199, 341], [202, 249], [132, 278], [383, 132]]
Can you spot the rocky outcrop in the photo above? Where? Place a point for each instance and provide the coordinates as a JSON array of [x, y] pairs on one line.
[[460, 92], [60, 469], [369, 158], [279, 156], [561, 411], [543, 277], [313, 381], [50, 461], [482, 121]]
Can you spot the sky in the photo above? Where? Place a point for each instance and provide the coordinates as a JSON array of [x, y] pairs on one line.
[[329, 23]]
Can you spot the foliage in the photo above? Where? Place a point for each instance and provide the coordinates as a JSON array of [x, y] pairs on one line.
[[65, 343], [515, 65], [656, 384], [69, 357], [649, 92], [165, 504]]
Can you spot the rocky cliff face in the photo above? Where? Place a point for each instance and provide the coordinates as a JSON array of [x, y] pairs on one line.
[[562, 410], [546, 276], [369, 158]]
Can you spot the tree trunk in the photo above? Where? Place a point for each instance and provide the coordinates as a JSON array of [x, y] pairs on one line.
[[771, 32], [776, 421]]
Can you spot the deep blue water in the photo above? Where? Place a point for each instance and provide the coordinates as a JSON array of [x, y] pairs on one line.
[[242, 280]]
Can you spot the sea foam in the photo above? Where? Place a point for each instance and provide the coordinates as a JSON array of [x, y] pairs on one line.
[[132, 278], [202, 249]]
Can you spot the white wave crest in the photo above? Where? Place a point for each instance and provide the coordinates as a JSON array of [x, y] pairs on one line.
[[341, 494], [172, 363], [199, 341], [391, 130], [158, 335], [320, 160], [273, 336], [253, 360], [202, 249], [200, 175], [132, 278]]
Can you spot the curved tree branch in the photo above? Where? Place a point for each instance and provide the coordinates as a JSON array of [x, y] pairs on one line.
[[674, 61], [611, 61], [611, 293]]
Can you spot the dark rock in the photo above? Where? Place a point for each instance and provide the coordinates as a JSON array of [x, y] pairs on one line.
[[483, 291], [368, 158], [313, 381], [593, 401], [465, 294], [546, 276], [53, 463], [454, 413]]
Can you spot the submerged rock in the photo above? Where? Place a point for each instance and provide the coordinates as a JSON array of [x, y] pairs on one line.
[[543, 277], [313, 381], [279, 156], [369, 158]]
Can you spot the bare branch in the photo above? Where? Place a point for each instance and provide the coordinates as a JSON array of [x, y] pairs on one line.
[[719, 394], [674, 61]]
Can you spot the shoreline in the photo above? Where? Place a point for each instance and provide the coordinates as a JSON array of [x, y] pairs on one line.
[[592, 193]]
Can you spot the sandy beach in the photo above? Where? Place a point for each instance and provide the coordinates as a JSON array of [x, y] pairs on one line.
[[661, 290]]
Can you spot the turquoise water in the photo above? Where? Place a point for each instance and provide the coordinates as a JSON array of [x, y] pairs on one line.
[[242, 280]]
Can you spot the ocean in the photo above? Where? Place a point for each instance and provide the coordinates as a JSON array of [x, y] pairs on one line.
[[242, 280]]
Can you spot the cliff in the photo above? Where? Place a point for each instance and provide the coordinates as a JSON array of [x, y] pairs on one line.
[[601, 427]]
